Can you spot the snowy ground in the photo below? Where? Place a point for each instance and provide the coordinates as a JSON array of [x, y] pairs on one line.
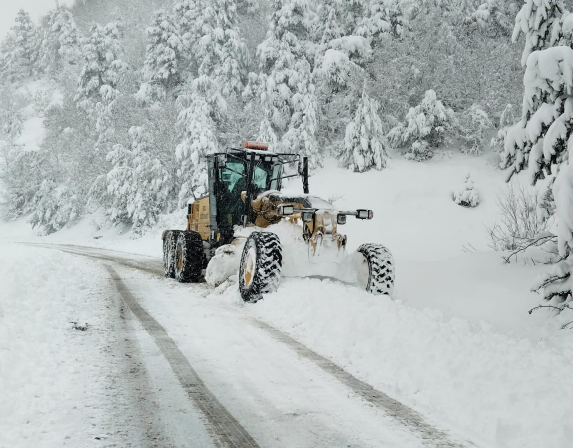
[[456, 342]]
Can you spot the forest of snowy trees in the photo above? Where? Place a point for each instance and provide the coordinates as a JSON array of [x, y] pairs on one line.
[[134, 96]]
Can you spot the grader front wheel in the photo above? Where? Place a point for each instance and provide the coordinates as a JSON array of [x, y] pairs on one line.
[[261, 263], [376, 273]]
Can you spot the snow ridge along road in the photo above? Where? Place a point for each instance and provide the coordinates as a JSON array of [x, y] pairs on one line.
[[226, 430], [412, 419]]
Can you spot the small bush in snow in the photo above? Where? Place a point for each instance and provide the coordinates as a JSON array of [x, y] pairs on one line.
[[425, 128], [475, 128], [520, 223], [467, 195]]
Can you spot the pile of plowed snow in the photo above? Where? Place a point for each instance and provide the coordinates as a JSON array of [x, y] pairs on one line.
[[495, 387]]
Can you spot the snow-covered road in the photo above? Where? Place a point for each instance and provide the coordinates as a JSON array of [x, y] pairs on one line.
[[248, 383], [317, 364]]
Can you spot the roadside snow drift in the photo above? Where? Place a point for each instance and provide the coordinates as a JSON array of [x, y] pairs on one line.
[[494, 387], [46, 369]]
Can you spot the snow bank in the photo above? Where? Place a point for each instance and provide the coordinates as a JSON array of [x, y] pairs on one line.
[[495, 388], [42, 366]]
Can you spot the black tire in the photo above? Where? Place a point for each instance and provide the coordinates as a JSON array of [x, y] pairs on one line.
[[189, 257], [261, 263], [380, 268], [169, 243]]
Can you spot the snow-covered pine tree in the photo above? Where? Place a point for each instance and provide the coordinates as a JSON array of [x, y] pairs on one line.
[[287, 90], [103, 64], [153, 183], [535, 21], [199, 141], [349, 14], [301, 135], [161, 68], [365, 143], [266, 134], [424, 129], [562, 31], [189, 18], [223, 53], [55, 207], [138, 185], [495, 15], [201, 107], [120, 183], [60, 43], [383, 17], [101, 74], [542, 141], [506, 122], [476, 125], [467, 195], [26, 44], [557, 284]]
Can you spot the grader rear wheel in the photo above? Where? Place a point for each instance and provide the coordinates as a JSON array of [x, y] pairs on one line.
[[190, 256], [260, 268]]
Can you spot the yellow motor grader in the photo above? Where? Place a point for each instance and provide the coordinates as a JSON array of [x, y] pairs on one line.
[[247, 225]]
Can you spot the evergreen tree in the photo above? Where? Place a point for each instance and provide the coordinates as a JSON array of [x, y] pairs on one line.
[[425, 127], [535, 20], [543, 139], [199, 140], [287, 89], [138, 184], [60, 43], [223, 53], [161, 68], [103, 64], [100, 76], [384, 17], [475, 127], [189, 18], [23, 49], [467, 195], [365, 144], [55, 206]]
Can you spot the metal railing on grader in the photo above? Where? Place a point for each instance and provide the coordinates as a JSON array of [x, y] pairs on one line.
[[246, 225]]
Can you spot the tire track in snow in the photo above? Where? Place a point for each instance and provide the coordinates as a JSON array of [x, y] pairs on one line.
[[227, 432], [430, 435]]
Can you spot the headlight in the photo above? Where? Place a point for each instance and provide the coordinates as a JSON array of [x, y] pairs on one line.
[[307, 216], [341, 219], [286, 210], [364, 214]]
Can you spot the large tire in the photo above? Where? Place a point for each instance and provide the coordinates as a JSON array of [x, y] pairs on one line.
[[261, 263], [169, 244], [189, 257], [380, 268]]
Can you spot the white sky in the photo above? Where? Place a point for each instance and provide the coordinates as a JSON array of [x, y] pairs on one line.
[[36, 8]]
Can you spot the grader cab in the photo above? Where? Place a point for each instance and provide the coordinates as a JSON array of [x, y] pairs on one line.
[[247, 225]]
